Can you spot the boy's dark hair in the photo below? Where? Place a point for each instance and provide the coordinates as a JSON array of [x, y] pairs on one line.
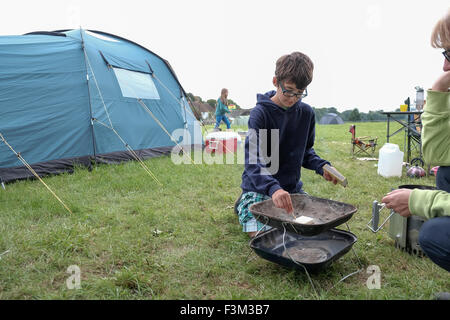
[[295, 67]]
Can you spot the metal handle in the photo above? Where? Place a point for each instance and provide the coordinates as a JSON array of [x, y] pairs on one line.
[[373, 223]]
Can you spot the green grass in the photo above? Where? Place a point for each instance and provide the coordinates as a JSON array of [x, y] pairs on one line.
[[134, 239]]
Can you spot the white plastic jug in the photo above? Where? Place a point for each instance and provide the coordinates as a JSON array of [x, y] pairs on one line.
[[390, 161]]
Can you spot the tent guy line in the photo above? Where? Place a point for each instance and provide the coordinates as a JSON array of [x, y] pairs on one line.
[[33, 172], [162, 127], [132, 152]]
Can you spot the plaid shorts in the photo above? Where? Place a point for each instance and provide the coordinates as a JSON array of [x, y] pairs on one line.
[[246, 219]]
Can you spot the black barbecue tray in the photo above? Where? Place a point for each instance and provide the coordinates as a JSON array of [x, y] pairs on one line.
[[416, 186], [312, 253], [327, 214]]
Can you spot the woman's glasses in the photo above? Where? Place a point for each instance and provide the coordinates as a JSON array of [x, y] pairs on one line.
[[446, 54]]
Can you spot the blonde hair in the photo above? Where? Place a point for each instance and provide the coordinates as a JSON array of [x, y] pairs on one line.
[[223, 97], [440, 38]]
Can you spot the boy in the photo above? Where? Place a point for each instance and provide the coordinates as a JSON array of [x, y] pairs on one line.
[[281, 114]]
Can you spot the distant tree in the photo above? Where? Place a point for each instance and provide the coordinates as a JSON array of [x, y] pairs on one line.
[[319, 112], [346, 115], [191, 96], [332, 110], [371, 116], [354, 115], [350, 115], [194, 98], [363, 116], [375, 116], [211, 102]]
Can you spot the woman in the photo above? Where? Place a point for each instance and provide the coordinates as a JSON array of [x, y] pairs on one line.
[[433, 205], [222, 109], [436, 135]]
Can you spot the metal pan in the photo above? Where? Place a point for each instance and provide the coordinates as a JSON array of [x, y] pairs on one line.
[[326, 213], [314, 253], [416, 186]]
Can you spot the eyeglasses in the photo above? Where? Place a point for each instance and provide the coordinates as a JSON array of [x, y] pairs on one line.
[[290, 94], [446, 54]]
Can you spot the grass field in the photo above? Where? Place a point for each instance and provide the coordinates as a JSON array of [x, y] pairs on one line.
[[134, 239]]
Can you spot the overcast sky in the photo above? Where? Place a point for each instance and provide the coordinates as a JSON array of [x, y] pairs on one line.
[[368, 54]]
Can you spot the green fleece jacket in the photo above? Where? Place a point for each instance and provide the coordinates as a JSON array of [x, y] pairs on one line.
[[436, 129], [429, 203], [436, 151]]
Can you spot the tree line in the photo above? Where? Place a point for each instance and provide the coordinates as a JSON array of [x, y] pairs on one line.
[[347, 115], [211, 102], [351, 115]]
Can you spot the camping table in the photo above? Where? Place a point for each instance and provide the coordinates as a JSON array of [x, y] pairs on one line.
[[412, 128]]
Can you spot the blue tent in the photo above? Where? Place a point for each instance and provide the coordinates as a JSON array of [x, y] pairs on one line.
[[331, 118], [77, 96]]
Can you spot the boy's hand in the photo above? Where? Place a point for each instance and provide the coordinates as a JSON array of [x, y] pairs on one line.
[[329, 177], [442, 83], [282, 199], [398, 201]]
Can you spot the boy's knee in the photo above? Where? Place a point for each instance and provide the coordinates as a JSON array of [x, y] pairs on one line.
[[252, 234]]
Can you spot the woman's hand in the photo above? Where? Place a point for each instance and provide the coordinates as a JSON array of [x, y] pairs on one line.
[[282, 199], [398, 201]]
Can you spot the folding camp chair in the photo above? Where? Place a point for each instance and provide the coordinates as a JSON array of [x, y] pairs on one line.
[[362, 145]]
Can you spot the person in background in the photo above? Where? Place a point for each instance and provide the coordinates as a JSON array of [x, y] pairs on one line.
[[222, 110], [283, 112], [433, 205]]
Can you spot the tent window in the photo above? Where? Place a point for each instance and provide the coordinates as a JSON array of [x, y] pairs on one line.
[[136, 84]]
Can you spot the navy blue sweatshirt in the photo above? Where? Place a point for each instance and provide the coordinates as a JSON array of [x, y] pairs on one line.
[[296, 127]]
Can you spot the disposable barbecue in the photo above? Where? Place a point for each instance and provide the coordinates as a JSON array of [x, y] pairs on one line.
[[311, 215]]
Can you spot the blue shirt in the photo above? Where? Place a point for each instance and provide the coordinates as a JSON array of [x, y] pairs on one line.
[[296, 127], [221, 108]]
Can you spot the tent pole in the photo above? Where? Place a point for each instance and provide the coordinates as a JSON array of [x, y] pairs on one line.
[[89, 95]]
